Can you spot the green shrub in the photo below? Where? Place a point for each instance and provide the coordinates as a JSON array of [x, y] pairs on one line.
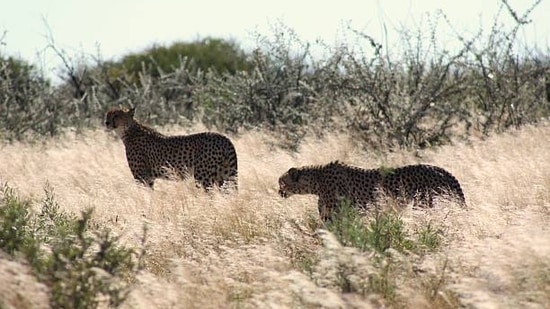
[[386, 230], [85, 265], [220, 55], [420, 94], [387, 243], [15, 235], [77, 262], [429, 237], [348, 227], [383, 231]]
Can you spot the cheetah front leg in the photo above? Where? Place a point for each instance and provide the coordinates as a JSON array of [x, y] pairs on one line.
[[326, 206], [142, 174]]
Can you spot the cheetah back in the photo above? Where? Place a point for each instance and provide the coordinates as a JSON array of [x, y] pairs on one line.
[[210, 157], [421, 182]]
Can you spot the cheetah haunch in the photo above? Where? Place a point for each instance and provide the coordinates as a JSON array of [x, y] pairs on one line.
[[209, 157], [336, 181]]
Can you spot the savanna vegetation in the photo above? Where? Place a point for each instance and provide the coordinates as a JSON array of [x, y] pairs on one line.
[[77, 232]]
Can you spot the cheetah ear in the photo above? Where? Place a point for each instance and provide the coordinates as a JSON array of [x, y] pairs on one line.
[[132, 111], [294, 175]]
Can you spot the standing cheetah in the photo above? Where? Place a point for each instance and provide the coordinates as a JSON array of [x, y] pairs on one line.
[[210, 157], [337, 181]]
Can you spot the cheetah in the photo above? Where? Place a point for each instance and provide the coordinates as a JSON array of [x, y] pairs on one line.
[[209, 157], [336, 181]]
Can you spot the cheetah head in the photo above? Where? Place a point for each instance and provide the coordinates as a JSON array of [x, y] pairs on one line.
[[293, 182], [119, 120]]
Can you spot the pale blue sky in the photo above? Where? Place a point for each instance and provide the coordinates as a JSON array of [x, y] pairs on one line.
[[118, 27]]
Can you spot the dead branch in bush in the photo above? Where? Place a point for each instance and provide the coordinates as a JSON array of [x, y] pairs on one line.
[[425, 96], [75, 77]]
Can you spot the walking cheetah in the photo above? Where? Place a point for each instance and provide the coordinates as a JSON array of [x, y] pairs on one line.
[[209, 157], [337, 181]]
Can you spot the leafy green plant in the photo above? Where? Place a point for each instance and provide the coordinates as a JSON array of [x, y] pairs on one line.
[[77, 262], [348, 226], [429, 237], [384, 236], [385, 230], [15, 236]]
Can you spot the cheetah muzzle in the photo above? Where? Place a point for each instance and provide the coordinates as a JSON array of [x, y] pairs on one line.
[[282, 191]]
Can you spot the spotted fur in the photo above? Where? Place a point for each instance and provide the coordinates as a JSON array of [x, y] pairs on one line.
[[337, 181], [209, 157]]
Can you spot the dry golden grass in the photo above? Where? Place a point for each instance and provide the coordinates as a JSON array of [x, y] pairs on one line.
[[249, 250]]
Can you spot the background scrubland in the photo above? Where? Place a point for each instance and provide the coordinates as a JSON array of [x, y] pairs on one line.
[[77, 232]]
